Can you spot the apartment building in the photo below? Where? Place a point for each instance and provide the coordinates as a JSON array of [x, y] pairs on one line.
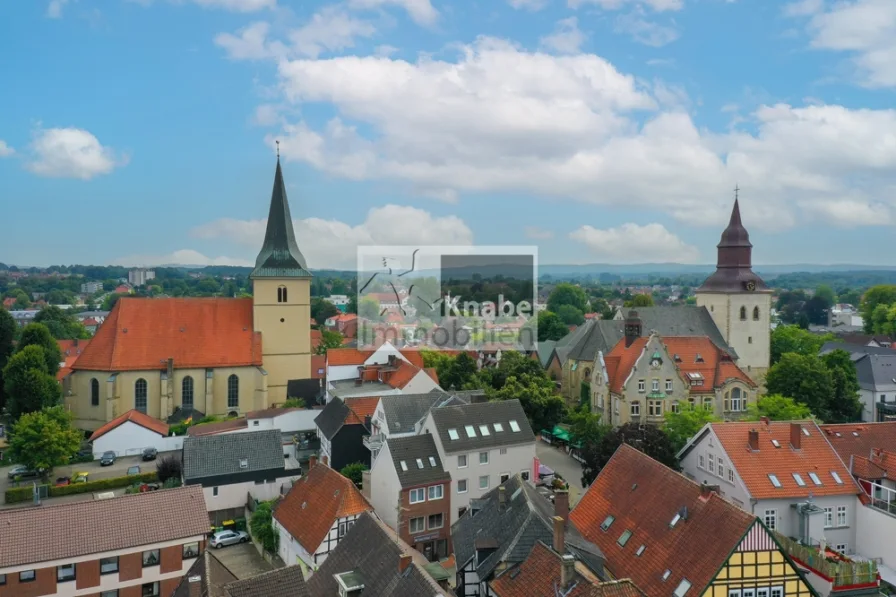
[[138, 545]]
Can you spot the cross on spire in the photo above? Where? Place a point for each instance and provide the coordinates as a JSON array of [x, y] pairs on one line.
[[736, 189], [278, 149]]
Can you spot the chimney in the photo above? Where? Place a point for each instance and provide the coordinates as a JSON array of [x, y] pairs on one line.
[[195, 586], [326, 460], [403, 562], [796, 433], [632, 328], [754, 440], [312, 461], [705, 491], [559, 543], [502, 497], [561, 504], [764, 421], [567, 570]]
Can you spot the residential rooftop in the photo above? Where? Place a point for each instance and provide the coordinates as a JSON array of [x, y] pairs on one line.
[[482, 425], [232, 453]]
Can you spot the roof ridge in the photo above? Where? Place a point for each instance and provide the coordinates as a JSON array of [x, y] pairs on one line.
[[28, 509]]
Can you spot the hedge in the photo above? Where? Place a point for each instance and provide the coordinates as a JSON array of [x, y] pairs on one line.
[[15, 495], [114, 483]]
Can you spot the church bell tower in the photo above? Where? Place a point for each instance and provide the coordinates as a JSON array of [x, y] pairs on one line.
[[738, 300], [281, 286]]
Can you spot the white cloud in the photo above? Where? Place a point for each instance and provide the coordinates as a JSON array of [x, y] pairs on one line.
[[331, 29], [657, 5], [385, 50], [566, 38], [533, 5], [71, 153], [266, 115], [803, 8], [181, 257], [536, 233], [5, 150], [633, 243], [849, 213], [645, 31], [335, 243], [421, 12], [230, 5], [54, 8], [251, 43]]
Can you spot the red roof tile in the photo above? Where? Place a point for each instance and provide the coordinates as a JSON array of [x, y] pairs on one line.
[[644, 496], [815, 455], [143, 333], [347, 356], [859, 440], [9, 302], [315, 502], [359, 408], [863, 468], [136, 417]]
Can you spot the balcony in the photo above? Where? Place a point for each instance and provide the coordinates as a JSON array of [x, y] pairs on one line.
[[374, 442], [834, 568]]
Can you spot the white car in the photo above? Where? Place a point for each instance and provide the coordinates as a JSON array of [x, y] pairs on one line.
[[222, 538]]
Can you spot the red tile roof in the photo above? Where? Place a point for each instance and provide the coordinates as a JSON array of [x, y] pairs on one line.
[[315, 502], [815, 455], [9, 302], [401, 376], [143, 333], [856, 441], [216, 427], [359, 408], [715, 366], [136, 417], [644, 496], [337, 357], [71, 350]]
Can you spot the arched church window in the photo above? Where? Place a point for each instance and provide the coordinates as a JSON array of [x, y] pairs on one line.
[[186, 393], [140, 395], [755, 313], [94, 392], [743, 313], [233, 391], [281, 294]]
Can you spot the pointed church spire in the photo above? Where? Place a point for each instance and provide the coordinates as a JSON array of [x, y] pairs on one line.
[[280, 256], [734, 266]]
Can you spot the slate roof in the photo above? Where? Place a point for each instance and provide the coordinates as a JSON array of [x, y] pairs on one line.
[[124, 522], [409, 450], [372, 551], [351, 411], [211, 573], [877, 372], [514, 531], [136, 417], [283, 582], [482, 414], [545, 351], [643, 496], [214, 455], [856, 350], [404, 411]]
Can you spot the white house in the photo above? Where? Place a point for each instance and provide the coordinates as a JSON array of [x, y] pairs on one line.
[[384, 371], [402, 415], [339, 300], [315, 515], [481, 445], [131, 433], [287, 420]]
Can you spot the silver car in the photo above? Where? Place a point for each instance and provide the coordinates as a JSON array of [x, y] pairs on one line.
[[222, 538]]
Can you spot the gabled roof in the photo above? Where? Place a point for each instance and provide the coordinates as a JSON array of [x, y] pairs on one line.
[[643, 497], [451, 420], [136, 417], [351, 411], [143, 333], [210, 573], [416, 460], [315, 502], [282, 582], [815, 455], [858, 441], [404, 411], [372, 551], [360, 409], [512, 531], [231, 453], [876, 372], [120, 523]]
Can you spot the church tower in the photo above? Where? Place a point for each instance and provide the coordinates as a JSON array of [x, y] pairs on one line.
[[738, 300], [281, 289]]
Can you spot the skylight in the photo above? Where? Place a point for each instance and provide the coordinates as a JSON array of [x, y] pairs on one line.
[[683, 588], [514, 426], [419, 463], [855, 433], [666, 574], [483, 430], [837, 478], [498, 427], [798, 479], [640, 550], [605, 525], [675, 520], [776, 443], [806, 431], [624, 537], [404, 466], [432, 461], [815, 478], [774, 480], [452, 433], [471, 432]]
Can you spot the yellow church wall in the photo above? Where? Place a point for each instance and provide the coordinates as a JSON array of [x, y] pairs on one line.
[[286, 331]]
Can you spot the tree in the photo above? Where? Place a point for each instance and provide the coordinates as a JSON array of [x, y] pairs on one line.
[[844, 406], [262, 526], [295, 403], [790, 338], [513, 364], [550, 327], [28, 385], [322, 310], [44, 439], [354, 472], [778, 408], [649, 439], [642, 300], [570, 315], [352, 306], [61, 324], [683, 425], [567, 294], [329, 339], [7, 336], [458, 373], [37, 334], [805, 378], [884, 294], [585, 426], [169, 467], [110, 300], [542, 406], [369, 308]]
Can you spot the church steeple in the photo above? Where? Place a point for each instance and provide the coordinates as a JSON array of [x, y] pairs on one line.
[[734, 266], [280, 256]]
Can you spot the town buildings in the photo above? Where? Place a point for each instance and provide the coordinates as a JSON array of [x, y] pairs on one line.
[[140, 276], [342, 427], [876, 374], [91, 287]]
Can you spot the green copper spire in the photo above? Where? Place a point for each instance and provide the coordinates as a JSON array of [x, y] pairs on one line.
[[280, 256]]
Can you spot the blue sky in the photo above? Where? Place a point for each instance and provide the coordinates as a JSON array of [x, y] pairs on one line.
[[604, 131]]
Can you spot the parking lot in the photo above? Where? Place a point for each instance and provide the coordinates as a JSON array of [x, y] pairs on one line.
[[94, 470], [242, 559]]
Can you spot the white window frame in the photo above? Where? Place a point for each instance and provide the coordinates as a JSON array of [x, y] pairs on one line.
[[462, 458], [464, 490], [842, 548], [712, 463], [841, 516], [642, 385], [654, 385], [721, 467], [701, 461], [668, 386], [487, 481], [435, 492], [486, 458], [828, 518], [421, 528], [771, 515], [429, 526], [418, 491], [635, 408]]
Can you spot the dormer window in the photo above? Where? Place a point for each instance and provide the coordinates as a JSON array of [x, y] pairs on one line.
[[698, 358]]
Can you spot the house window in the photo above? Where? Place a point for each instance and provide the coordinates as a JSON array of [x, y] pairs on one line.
[[777, 592], [641, 386], [109, 565], [281, 294], [771, 519], [841, 548], [675, 407], [731, 475], [26, 576], [186, 393], [150, 589], [2, 579], [707, 403], [94, 392], [712, 463], [151, 558], [828, 518], [483, 482], [436, 521], [755, 313], [418, 495], [140, 395], [233, 391], [462, 461], [436, 492], [721, 467], [65, 572], [502, 451], [417, 525], [191, 550], [743, 313], [841, 516], [668, 386], [655, 408], [524, 475], [483, 458], [636, 409], [214, 492], [654, 385], [701, 461], [461, 486]]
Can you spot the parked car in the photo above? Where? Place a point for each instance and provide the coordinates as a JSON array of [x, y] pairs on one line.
[[20, 470], [78, 478], [133, 470], [108, 458], [150, 454], [222, 538]]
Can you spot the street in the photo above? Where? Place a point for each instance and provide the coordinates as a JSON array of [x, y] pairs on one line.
[[564, 465]]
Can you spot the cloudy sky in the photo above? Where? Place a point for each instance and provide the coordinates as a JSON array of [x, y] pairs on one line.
[[603, 131]]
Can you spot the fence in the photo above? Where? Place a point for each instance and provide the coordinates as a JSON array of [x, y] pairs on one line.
[[841, 572]]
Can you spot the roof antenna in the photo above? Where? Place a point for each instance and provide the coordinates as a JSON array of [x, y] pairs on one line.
[[278, 149]]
